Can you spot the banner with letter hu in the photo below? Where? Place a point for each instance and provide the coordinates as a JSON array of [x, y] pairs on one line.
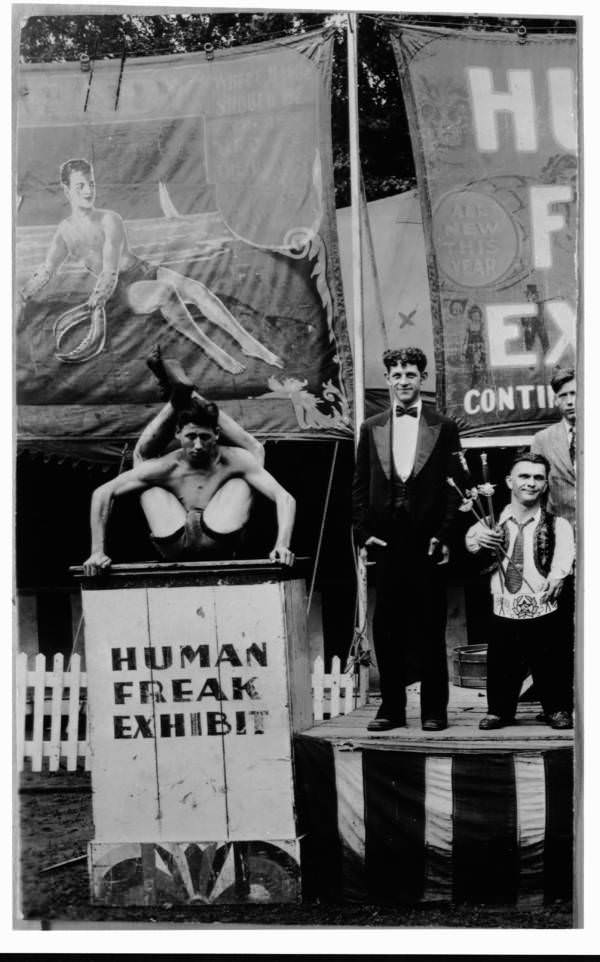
[[494, 126]]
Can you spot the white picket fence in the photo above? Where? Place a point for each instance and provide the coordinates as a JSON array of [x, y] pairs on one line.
[[51, 707], [337, 693]]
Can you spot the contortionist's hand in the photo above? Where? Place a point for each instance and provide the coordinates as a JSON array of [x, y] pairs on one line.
[[281, 554], [96, 564]]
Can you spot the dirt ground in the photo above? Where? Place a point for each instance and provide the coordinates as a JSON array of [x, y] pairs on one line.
[[55, 818]]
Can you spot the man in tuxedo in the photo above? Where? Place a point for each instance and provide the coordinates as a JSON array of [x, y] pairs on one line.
[[557, 444], [403, 514]]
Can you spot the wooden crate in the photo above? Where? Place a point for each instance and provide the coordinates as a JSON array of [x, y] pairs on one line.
[[197, 676]]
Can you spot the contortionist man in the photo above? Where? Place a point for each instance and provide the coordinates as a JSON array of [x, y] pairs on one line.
[[197, 498]]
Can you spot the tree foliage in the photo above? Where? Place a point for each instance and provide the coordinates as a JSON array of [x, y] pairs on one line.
[[386, 153]]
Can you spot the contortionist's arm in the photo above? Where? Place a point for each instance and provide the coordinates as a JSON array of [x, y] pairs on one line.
[[286, 515], [285, 506], [138, 479], [239, 437]]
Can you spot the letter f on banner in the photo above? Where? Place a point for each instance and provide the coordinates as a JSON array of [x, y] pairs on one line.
[[544, 223]]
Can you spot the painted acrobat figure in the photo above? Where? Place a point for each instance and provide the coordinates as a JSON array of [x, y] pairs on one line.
[[99, 239], [474, 346], [535, 326]]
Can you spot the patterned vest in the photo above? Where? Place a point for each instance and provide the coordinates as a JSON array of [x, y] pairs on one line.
[[544, 542]]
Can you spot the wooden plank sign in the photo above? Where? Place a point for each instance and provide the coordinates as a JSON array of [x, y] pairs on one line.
[[190, 691]]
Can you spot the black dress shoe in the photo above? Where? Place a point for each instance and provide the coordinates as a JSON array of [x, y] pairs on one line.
[[434, 724], [382, 724], [489, 722], [559, 719]]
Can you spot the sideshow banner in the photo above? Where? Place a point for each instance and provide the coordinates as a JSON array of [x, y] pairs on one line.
[[494, 127], [184, 202]]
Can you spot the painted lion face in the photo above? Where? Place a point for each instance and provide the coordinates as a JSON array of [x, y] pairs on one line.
[[444, 110]]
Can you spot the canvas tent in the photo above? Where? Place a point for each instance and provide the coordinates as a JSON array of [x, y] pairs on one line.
[[396, 300]]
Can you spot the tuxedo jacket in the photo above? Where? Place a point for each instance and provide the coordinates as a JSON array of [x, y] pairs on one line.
[[553, 443], [431, 502]]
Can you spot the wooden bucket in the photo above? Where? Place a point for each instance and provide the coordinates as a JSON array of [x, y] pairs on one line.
[[469, 666]]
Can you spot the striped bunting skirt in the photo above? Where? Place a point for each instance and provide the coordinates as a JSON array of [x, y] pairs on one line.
[[396, 826]]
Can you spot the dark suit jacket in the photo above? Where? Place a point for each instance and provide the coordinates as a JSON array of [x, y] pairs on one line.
[[432, 504]]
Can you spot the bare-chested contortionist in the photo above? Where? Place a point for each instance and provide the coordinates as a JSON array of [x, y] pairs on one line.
[[196, 498]]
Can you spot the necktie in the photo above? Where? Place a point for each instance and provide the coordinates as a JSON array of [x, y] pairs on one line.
[[572, 454], [514, 572], [412, 412]]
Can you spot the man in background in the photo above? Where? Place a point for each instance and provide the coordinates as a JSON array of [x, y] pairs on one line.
[[557, 444]]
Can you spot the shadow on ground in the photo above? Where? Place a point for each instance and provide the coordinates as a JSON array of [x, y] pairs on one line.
[[56, 822]]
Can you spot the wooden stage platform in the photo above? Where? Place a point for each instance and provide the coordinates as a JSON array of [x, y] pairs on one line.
[[466, 708], [461, 815]]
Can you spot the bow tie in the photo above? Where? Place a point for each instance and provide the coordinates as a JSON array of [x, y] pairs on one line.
[[400, 411]]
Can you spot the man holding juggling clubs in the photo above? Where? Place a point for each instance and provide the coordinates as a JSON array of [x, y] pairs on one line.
[[534, 552]]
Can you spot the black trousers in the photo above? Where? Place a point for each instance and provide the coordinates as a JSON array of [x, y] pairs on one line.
[[409, 624], [514, 647], [566, 610]]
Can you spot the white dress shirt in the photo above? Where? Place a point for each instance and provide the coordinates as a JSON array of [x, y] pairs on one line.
[[527, 602], [404, 440]]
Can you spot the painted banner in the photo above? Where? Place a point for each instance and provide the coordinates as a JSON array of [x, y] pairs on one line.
[[493, 121], [184, 202]]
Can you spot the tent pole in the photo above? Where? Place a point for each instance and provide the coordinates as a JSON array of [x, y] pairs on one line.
[[357, 287], [357, 292]]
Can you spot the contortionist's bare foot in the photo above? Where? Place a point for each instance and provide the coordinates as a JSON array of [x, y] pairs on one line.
[[174, 384]]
